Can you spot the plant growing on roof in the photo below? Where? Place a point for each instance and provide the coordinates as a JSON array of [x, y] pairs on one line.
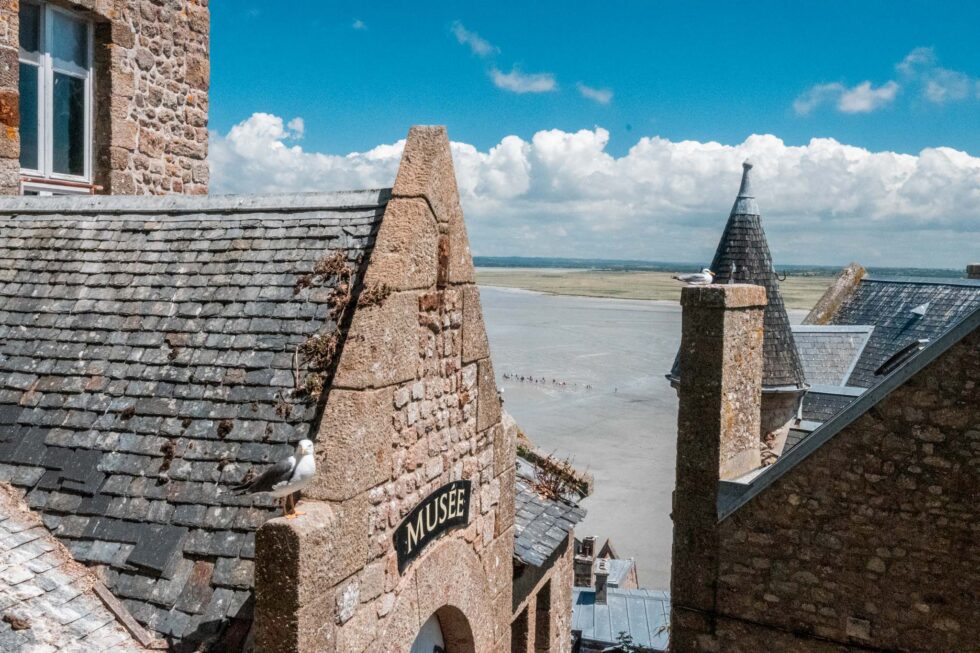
[[625, 644], [319, 351]]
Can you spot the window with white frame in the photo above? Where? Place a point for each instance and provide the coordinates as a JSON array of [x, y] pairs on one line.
[[55, 93]]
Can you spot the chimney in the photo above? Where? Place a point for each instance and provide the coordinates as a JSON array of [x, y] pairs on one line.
[[718, 422], [973, 271], [601, 578], [583, 562]]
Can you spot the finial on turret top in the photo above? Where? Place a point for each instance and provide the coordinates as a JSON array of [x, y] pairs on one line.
[[745, 202], [746, 189]]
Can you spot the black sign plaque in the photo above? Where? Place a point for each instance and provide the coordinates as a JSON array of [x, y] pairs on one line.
[[443, 510]]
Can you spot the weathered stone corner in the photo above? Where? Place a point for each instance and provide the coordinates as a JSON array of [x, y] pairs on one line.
[[426, 170], [405, 254], [296, 561], [381, 345], [736, 295], [355, 443], [843, 287]]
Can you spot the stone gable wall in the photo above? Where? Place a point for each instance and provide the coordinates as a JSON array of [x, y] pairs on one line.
[[150, 104], [869, 543], [413, 405]]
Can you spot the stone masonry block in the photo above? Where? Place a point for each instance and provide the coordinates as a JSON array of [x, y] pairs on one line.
[[505, 509], [405, 252], [504, 444], [460, 260], [382, 344], [426, 170], [354, 443], [498, 562], [488, 402], [737, 295], [319, 632], [475, 342], [293, 561]]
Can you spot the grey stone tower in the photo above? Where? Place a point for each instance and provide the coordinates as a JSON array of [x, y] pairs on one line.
[[743, 257]]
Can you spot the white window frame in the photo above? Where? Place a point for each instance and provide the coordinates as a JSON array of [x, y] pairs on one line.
[[45, 94], [36, 187]]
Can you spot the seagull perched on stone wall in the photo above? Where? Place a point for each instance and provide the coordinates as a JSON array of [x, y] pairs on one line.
[[702, 278], [285, 478]]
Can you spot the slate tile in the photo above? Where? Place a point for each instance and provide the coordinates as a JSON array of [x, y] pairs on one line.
[[234, 573], [197, 591], [156, 547]]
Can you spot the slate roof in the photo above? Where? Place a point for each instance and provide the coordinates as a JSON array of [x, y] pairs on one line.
[[138, 333], [734, 494], [51, 598], [823, 402], [541, 524], [887, 303], [619, 570], [643, 614], [743, 257], [829, 353]]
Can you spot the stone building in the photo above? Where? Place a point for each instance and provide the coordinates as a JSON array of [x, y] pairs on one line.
[[743, 257], [860, 538], [158, 350], [104, 96], [863, 327]]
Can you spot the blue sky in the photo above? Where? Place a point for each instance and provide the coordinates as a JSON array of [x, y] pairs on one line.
[[358, 74], [682, 70]]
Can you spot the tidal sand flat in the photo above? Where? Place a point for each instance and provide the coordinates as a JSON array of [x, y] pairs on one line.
[[594, 390], [601, 399], [800, 292]]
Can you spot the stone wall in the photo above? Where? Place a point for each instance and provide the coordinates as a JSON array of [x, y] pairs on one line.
[[413, 406], [545, 594], [869, 543], [717, 438], [150, 105]]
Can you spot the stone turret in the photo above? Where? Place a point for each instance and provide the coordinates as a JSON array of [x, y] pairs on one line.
[[743, 257]]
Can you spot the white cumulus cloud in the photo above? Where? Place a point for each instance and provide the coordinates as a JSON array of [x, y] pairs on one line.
[[863, 98], [563, 194], [519, 82], [600, 95], [476, 43]]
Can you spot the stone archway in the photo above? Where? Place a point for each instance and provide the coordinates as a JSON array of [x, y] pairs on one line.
[[446, 631], [450, 583]]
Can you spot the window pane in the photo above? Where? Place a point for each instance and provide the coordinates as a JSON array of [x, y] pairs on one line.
[[69, 40], [30, 27], [68, 125], [28, 116]]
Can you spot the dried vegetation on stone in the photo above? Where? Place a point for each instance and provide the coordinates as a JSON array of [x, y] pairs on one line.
[[319, 351]]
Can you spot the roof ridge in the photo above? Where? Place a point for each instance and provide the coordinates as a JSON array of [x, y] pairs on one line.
[[178, 204], [934, 281]]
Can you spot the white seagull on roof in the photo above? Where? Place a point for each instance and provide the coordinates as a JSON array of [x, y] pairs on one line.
[[285, 478], [702, 278]]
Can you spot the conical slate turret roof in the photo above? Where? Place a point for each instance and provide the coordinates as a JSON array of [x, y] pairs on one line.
[[743, 257]]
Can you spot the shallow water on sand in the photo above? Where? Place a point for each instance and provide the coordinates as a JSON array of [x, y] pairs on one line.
[[599, 397], [622, 429]]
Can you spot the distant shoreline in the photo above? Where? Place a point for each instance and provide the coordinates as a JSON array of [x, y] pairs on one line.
[[799, 292], [629, 265]]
